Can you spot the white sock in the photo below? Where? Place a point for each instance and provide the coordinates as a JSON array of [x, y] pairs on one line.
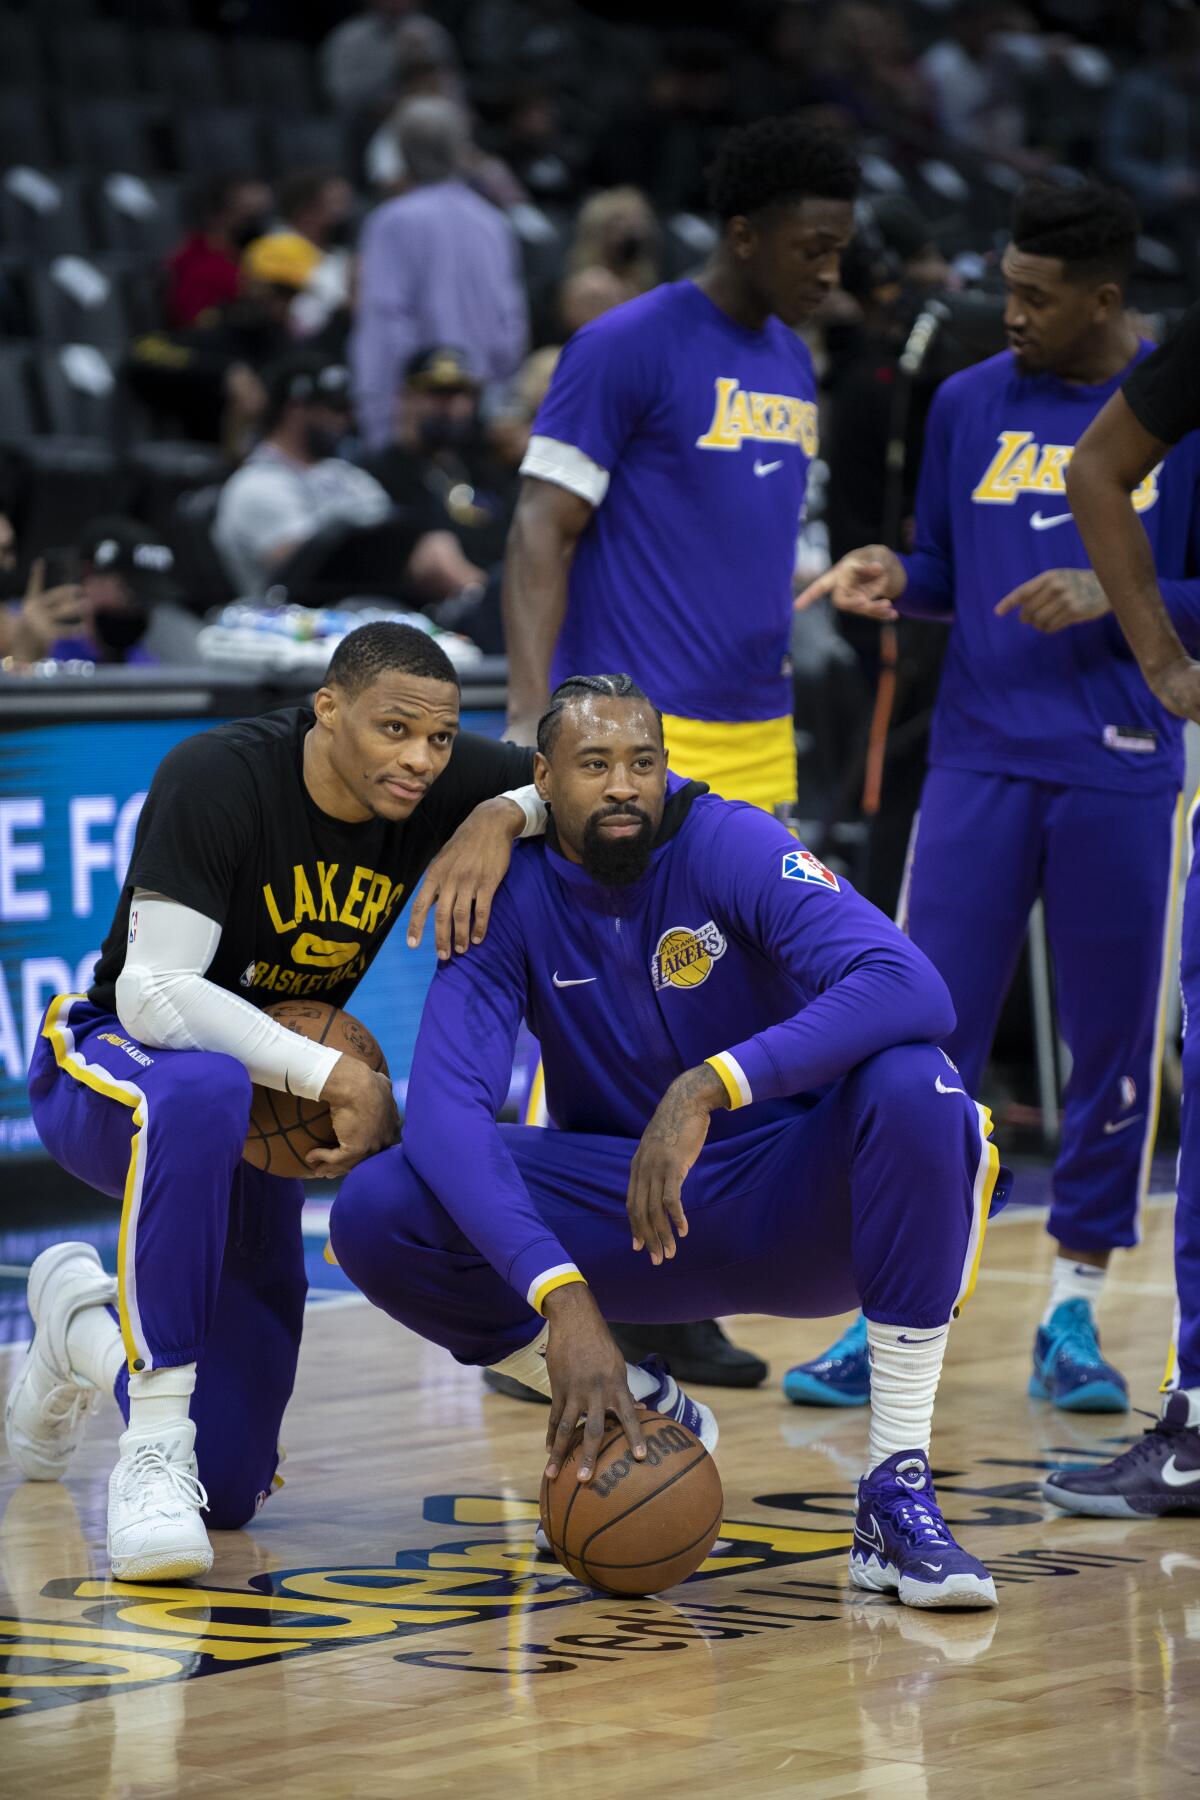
[[159, 1397], [529, 1366], [906, 1366], [94, 1347], [1071, 1280]]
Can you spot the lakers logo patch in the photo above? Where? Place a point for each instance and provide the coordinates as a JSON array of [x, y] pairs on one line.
[[683, 958]]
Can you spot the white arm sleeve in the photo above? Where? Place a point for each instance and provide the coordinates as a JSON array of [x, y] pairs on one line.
[[164, 1001], [532, 805]]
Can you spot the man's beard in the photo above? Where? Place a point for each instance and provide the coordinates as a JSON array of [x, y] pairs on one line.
[[616, 862]]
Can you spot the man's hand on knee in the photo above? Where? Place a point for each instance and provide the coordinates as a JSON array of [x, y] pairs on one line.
[[670, 1145], [587, 1380]]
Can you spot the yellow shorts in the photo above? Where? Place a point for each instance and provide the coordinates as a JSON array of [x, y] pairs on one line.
[[752, 760]]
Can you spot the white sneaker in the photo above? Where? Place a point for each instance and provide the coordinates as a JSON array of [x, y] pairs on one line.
[[155, 1498], [48, 1403]]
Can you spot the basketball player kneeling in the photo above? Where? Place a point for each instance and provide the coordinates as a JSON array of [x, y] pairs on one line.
[[721, 1022], [272, 857]]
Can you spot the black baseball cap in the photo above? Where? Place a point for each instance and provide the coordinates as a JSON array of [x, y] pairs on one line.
[[441, 369], [310, 379], [125, 547]]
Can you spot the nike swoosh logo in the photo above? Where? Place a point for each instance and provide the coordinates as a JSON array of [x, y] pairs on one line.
[[874, 1537], [936, 1567], [572, 981], [1176, 1477], [1120, 1125], [904, 1338], [762, 468], [941, 1087], [1039, 523]]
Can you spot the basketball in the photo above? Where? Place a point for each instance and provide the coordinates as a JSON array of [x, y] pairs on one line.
[[635, 1527], [283, 1127]]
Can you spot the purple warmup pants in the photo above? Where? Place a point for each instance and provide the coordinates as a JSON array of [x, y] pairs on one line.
[[211, 1257], [880, 1195], [984, 848], [1187, 1207]]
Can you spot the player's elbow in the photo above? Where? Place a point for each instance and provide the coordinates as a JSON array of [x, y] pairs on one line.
[[934, 1017], [145, 1009]]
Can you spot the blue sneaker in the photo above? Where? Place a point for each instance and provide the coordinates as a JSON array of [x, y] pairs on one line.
[[841, 1377], [902, 1544], [1068, 1369]]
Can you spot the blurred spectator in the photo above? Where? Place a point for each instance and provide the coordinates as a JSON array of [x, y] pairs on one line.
[[439, 465], [359, 63], [974, 73], [203, 272], [319, 206], [96, 604], [204, 383], [1152, 132], [585, 296], [666, 138], [511, 425], [543, 155], [298, 514], [617, 230], [869, 69], [438, 265]]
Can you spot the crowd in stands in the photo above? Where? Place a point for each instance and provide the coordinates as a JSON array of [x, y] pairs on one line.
[[281, 307]]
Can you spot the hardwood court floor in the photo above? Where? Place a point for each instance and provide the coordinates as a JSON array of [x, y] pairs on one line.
[[382, 1630]]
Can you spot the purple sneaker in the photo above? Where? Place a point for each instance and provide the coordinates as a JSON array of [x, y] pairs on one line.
[[668, 1398], [1159, 1474], [902, 1544]]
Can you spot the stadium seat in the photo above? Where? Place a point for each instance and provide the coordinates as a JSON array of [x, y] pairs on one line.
[[163, 471], [217, 140], [19, 417], [79, 391], [91, 57], [25, 134], [133, 213], [21, 65], [15, 321], [64, 483], [184, 65], [269, 72], [197, 564], [78, 300], [111, 134], [307, 143], [43, 214]]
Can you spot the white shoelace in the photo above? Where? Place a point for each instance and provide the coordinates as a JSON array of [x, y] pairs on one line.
[[67, 1405], [148, 1467]]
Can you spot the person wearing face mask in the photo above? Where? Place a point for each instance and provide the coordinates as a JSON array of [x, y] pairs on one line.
[[203, 272], [439, 464], [205, 383], [318, 206], [95, 604], [299, 516]]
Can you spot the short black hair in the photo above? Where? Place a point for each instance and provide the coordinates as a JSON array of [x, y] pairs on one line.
[[776, 161], [1091, 228], [580, 687], [365, 654]]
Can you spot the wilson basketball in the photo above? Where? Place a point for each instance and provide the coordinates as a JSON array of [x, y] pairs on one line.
[[283, 1127], [635, 1527]]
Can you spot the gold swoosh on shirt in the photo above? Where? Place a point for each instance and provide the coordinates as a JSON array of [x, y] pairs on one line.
[[322, 953]]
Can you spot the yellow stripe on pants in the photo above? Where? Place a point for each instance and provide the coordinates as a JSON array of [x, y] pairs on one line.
[[126, 1093]]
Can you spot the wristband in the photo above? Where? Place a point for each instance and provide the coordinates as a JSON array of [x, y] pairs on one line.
[[532, 805]]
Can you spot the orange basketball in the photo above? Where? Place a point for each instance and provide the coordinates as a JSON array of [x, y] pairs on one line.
[[635, 1527], [283, 1127]]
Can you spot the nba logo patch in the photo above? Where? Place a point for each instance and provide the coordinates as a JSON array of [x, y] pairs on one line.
[[802, 865]]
